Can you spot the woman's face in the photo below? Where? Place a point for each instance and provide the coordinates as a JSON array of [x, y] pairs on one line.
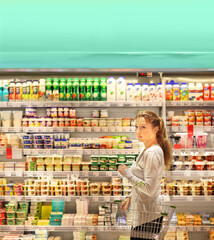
[[144, 130]]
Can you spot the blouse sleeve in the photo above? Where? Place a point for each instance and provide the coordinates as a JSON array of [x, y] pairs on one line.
[[152, 169]]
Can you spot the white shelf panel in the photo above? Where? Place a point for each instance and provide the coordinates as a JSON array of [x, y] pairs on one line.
[[80, 151], [7, 228], [191, 228], [76, 129], [190, 103], [183, 129], [191, 174], [11, 129], [65, 198], [187, 199], [79, 104], [196, 151]]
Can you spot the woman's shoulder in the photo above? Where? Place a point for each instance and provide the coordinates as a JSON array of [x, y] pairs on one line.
[[155, 149]]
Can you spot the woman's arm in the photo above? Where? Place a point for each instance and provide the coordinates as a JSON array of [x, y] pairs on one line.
[[152, 170]]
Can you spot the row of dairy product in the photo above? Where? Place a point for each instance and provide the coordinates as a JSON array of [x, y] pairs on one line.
[[176, 235], [22, 236], [189, 92]]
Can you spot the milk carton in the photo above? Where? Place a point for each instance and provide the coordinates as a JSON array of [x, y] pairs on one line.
[[121, 89], [111, 89], [129, 92]]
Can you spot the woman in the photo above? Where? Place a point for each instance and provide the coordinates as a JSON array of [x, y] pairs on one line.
[[146, 173]]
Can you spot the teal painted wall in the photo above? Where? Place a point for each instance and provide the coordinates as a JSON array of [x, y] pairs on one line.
[[106, 34]]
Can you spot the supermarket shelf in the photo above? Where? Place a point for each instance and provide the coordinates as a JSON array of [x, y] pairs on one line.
[[79, 104], [191, 174], [190, 103], [80, 151], [14, 228], [78, 129], [187, 199], [196, 151], [65, 129], [183, 129], [65, 198], [191, 228]]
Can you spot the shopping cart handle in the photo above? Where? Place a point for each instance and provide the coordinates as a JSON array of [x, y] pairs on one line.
[[117, 201]]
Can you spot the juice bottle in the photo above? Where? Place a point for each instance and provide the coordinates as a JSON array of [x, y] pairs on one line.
[[24, 91], [130, 92], [35, 93], [69, 89], [145, 92], [75, 89], [12, 91], [103, 89], [89, 89], [5, 92], [199, 92], [176, 92], [18, 90], [29, 87], [48, 89], [152, 92], [184, 92], [62, 89], [212, 92], [159, 92], [82, 89], [206, 92], [168, 89], [137, 92], [192, 92], [42, 90], [55, 89], [96, 89]]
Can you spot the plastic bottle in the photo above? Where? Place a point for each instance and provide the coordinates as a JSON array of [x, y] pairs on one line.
[[168, 89], [62, 89], [184, 92], [176, 92], [192, 93], [212, 92], [130, 92], [137, 92], [18, 91], [145, 92], [12, 91], [152, 92], [103, 89], [159, 92], [35, 94], [69, 89], [75, 89], [206, 92], [83, 89], [121, 89], [199, 92], [29, 87], [24, 91], [1, 90], [96, 89], [42, 90], [48, 89], [55, 89], [5, 92]]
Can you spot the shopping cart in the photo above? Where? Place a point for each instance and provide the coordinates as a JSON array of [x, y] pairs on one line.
[[145, 224]]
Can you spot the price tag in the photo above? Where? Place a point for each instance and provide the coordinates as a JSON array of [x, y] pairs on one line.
[[80, 129], [7, 174], [87, 129], [190, 229], [101, 199], [65, 129], [186, 103], [198, 130], [19, 173], [189, 198]]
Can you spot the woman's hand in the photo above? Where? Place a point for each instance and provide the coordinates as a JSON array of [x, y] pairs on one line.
[[121, 168], [125, 204]]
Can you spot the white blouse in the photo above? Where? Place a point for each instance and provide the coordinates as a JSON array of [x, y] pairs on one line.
[[145, 176]]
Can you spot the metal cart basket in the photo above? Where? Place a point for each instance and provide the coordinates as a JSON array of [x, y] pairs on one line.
[[145, 224]]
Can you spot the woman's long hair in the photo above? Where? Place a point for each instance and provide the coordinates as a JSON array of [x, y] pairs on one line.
[[161, 135]]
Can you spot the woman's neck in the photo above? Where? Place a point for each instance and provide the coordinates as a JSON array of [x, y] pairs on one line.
[[148, 145]]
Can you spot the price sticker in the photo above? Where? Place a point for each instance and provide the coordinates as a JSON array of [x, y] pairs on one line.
[[189, 198], [7, 174], [19, 173], [87, 129], [17, 153]]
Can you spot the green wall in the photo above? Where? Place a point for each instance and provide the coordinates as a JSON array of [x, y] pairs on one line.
[[106, 34]]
